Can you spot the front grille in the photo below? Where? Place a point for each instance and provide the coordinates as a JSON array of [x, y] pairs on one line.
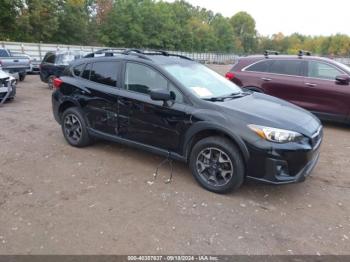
[[316, 138]]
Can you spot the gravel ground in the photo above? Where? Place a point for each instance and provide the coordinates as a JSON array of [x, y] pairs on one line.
[[56, 199]]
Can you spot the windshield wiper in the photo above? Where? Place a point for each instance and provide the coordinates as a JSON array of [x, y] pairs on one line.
[[229, 96]]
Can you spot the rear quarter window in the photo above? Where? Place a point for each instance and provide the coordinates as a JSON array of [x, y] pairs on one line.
[[77, 70], [261, 66]]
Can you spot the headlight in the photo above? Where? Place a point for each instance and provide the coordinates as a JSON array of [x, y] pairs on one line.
[[276, 135]]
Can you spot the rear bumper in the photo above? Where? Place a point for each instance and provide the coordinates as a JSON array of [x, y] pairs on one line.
[[16, 70]]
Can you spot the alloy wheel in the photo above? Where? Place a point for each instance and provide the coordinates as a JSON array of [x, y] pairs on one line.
[[72, 127], [214, 166]]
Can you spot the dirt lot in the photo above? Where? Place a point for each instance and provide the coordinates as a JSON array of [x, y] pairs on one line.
[[56, 199]]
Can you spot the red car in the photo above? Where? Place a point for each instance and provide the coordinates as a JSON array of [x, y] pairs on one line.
[[317, 84]]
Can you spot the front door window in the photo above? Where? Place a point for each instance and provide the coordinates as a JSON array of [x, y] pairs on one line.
[[322, 70], [143, 79]]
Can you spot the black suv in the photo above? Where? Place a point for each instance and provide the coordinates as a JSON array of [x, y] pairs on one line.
[[173, 106], [55, 62]]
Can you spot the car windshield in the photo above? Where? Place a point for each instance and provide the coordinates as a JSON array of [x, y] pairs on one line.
[[202, 81]]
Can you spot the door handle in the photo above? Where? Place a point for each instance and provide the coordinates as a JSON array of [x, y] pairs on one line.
[[266, 79], [311, 84]]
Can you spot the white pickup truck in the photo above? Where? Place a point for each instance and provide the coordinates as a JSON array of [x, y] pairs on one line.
[[14, 64]]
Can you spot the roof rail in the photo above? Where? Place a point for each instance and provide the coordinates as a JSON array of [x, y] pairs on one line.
[[154, 52], [133, 51], [270, 52], [304, 52], [106, 52]]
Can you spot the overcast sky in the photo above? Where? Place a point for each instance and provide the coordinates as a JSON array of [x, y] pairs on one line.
[[310, 17]]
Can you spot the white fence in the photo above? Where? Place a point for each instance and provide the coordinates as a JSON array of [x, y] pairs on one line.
[[38, 50]]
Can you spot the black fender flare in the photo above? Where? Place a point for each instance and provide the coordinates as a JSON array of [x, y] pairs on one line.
[[66, 100], [207, 126]]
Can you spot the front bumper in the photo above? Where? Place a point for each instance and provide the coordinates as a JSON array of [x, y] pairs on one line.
[[275, 176], [285, 163], [11, 95]]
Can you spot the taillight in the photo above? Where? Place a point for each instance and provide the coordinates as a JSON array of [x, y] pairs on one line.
[[57, 83], [230, 75]]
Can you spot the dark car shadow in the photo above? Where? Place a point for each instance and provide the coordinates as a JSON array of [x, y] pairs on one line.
[[183, 178]]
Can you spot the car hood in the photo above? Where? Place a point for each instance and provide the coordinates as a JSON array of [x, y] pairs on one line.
[[3, 74], [269, 111]]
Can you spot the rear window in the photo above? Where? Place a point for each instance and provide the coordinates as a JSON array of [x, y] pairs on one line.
[[66, 58], [3, 53], [105, 73], [50, 58], [286, 67], [261, 66]]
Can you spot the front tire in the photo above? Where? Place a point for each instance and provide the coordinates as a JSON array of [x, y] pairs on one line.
[[217, 164], [74, 127]]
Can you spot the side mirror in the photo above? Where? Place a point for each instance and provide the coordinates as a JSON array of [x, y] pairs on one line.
[[160, 95], [342, 79]]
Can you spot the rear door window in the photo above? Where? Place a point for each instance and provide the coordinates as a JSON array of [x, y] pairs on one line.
[[262, 66], [287, 67], [105, 72], [322, 70]]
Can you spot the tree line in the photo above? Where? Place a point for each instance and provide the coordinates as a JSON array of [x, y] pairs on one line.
[[150, 24]]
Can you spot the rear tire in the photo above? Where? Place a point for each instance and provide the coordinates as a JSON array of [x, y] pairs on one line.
[[74, 127], [217, 164]]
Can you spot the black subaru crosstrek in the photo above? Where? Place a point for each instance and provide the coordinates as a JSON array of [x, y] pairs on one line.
[[173, 106]]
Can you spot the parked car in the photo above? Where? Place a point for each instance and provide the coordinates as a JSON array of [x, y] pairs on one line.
[[320, 85], [7, 87], [14, 64], [173, 106], [34, 64], [54, 64]]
